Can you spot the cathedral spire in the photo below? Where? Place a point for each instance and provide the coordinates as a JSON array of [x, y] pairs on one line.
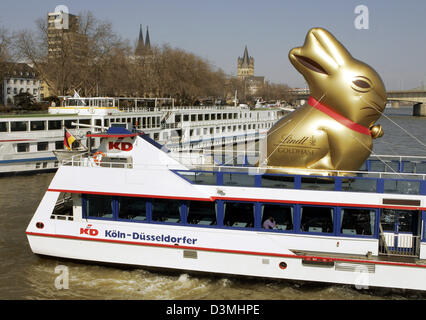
[[141, 36], [147, 41], [246, 56], [140, 47]]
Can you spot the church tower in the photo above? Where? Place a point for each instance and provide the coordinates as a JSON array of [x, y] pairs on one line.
[[143, 48], [140, 47], [245, 65], [147, 41]]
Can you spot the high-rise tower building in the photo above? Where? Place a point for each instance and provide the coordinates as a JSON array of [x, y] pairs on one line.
[[64, 36]]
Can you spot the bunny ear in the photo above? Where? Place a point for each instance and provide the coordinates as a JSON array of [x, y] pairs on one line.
[[328, 47]]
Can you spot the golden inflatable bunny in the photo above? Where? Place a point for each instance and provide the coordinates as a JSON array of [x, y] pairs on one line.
[[335, 129]]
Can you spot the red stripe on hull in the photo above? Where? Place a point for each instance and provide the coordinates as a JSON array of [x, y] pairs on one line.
[[270, 254], [333, 204]]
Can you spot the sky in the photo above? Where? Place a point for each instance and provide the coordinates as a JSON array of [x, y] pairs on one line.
[[218, 30]]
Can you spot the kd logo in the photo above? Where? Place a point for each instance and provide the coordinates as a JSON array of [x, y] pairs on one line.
[[123, 146]]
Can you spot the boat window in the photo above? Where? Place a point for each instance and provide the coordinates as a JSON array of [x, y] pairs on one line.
[[219, 116], [54, 124], [238, 179], [68, 124], [63, 208], [387, 220], [18, 126], [99, 206], [84, 121], [193, 117], [200, 117], [207, 116], [132, 208], [59, 145], [277, 181], [42, 146], [317, 183], [357, 221], [225, 116], [359, 185], [239, 214], [202, 213], [166, 210], [37, 125], [206, 178], [3, 126], [316, 219], [281, 214], [23, 147], [393, 220], [402, 186], [185, 117]]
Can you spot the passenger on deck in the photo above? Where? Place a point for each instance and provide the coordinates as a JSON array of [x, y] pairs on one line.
[[269, 223]]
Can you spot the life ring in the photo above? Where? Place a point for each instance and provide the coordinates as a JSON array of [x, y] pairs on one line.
[[97, 157]]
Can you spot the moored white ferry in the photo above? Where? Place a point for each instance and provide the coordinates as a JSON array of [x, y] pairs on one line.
[[29, 142], [138, 203]]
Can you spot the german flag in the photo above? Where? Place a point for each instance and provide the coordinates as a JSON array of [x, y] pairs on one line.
[[68, 139]]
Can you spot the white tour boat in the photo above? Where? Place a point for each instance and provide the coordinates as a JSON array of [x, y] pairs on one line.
[[34, 142], [137, 203], [296, 213]]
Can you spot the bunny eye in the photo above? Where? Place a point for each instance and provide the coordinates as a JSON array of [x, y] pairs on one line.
[[361, 84]]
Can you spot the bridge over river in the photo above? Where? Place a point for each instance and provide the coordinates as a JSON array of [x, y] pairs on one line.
[[416, 97]]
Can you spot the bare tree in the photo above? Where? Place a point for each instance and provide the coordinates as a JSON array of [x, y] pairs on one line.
[[93, 60]]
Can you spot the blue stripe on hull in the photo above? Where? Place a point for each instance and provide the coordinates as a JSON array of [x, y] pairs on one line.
[[27, 160]]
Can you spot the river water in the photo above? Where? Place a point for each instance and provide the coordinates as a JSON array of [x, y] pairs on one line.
[[24, 275]]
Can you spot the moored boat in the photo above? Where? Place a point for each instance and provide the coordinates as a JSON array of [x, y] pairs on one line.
[[32, 142]]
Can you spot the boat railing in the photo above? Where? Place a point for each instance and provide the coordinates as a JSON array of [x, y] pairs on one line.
[[403, 244], [118, 102], [324, 180], [86, 160], [251, 176]]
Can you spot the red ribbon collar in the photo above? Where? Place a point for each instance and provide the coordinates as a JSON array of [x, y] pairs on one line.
[[338, 117]]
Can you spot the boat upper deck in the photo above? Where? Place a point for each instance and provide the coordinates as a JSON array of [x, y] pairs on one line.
[[379, 174]]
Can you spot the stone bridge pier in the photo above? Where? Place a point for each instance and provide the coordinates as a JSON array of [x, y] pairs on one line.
[[419, 109]]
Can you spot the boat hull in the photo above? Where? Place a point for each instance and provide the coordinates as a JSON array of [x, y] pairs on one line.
[[235, 259]]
